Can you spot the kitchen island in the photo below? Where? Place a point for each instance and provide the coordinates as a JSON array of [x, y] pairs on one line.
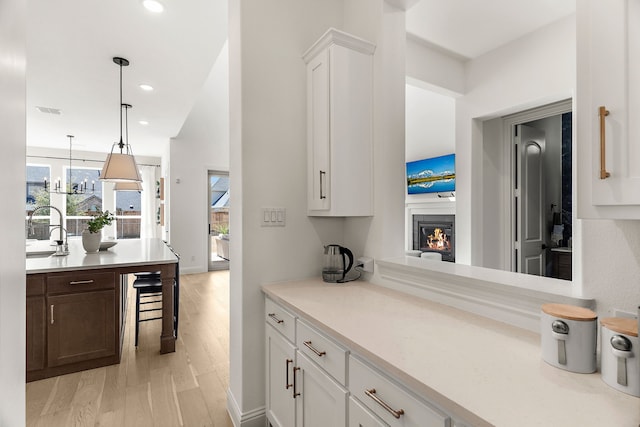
[[467, 369], [76, 304]]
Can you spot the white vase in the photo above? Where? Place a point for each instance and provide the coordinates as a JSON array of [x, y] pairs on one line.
[[91, 241]]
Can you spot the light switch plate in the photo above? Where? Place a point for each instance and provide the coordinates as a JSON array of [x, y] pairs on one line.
[[273, 217]]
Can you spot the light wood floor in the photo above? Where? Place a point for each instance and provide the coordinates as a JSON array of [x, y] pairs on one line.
[[185, 388]]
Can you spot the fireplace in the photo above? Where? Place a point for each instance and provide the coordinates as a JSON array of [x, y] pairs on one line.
[[435, 233]]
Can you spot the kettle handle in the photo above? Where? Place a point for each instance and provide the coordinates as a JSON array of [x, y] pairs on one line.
[[349, 254]]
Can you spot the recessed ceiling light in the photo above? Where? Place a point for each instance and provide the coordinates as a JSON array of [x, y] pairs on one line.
[[143, 122], [145, 87], [153, 6]]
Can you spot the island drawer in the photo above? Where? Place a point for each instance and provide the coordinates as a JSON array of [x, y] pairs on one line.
[[389, 401], [80, 281], [323, 351], [280, 319]]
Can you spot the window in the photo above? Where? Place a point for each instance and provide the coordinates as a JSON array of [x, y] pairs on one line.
[[128, 214], [37, 195], [79, 207]]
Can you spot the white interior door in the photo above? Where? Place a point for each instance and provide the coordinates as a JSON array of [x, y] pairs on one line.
[[529, 245]]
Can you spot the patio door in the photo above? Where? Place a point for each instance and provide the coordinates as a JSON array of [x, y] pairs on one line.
[[218, 215]]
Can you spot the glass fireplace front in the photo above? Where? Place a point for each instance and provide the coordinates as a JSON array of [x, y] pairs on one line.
[[435, 233]]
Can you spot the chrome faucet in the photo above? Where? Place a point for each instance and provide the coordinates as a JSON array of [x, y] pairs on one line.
[[60, 241], [66, 236]]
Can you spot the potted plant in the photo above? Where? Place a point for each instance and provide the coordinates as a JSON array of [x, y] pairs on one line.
[[92, 235]]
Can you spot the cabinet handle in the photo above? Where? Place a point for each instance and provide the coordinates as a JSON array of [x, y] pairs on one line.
[[52, 314], [372, 394], [322, 174], [274, 317], [315, 350], [287, 385], [295, 393], [603, 112], [81, 282]]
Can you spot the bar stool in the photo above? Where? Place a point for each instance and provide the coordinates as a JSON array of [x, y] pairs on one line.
[[148, 286]]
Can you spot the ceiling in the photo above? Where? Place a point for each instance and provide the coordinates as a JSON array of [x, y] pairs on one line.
[[71, 43], [470, 28], [70, 46]]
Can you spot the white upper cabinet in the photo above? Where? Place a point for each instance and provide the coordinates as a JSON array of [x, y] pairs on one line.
[[340, 125], [608, 109]]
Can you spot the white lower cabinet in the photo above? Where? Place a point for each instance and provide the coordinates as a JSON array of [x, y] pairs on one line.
[[359, 416], [392, 403], [307, 374], [280, 405], [322, 401]]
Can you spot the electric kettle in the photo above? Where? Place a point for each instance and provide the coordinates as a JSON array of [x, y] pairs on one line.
[[335, 267]]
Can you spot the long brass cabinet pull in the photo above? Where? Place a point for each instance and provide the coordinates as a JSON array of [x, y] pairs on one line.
[[603, 112], [287, 385], [52, 314], [274, 317], [372, 394], [322, 174], [81, 282], [295, 393], [315, 350]]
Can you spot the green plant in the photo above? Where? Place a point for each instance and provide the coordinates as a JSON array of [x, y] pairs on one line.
[[98, 221], [221, 228]]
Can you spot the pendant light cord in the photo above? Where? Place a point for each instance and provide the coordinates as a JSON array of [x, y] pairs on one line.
[[69, 183], [121, 145]]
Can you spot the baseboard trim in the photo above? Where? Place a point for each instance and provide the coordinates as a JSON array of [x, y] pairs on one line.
[[254, 418]]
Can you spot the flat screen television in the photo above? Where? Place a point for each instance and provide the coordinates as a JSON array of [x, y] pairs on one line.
[[434, 175]]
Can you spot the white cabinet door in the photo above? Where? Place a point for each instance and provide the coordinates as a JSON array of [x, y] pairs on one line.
[[280, 355], [340, 126], [322, 401], [319, 197], [608, 80]]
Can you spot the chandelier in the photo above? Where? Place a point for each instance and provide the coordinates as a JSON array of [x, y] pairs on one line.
[[71, 187]]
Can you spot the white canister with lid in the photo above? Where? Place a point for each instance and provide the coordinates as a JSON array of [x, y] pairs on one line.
[[619, 354], [568, 337]]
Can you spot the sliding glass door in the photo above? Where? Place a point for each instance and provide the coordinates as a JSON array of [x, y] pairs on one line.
[[219, 236]]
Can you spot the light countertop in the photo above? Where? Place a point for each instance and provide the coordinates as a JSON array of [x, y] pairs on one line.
[[127, 252], [486, 372]]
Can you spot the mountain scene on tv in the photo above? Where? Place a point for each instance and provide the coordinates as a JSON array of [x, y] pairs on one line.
[[433, 175]]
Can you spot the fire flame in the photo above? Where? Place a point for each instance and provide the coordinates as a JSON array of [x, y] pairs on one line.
[[438, 240]]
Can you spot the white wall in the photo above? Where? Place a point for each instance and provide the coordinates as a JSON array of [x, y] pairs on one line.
[[430, 123], [12, 174], [268, 162], [201, 145], [435, 67]]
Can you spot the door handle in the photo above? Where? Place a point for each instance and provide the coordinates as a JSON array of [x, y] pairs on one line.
[[603, 112], [295, 393], [322, 174], [286, 381], [52, 314]]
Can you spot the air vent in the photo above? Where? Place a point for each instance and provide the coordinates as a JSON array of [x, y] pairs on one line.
[[48, 110]]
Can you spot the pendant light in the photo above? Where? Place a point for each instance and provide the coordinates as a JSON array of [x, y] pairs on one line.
[[56, 186], [121, 167], [127, 185]]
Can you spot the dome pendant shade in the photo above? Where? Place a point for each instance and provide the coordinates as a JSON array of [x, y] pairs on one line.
[[120, 168]]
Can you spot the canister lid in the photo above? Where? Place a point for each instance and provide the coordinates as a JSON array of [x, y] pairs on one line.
[[621, 325], [569, 312]]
